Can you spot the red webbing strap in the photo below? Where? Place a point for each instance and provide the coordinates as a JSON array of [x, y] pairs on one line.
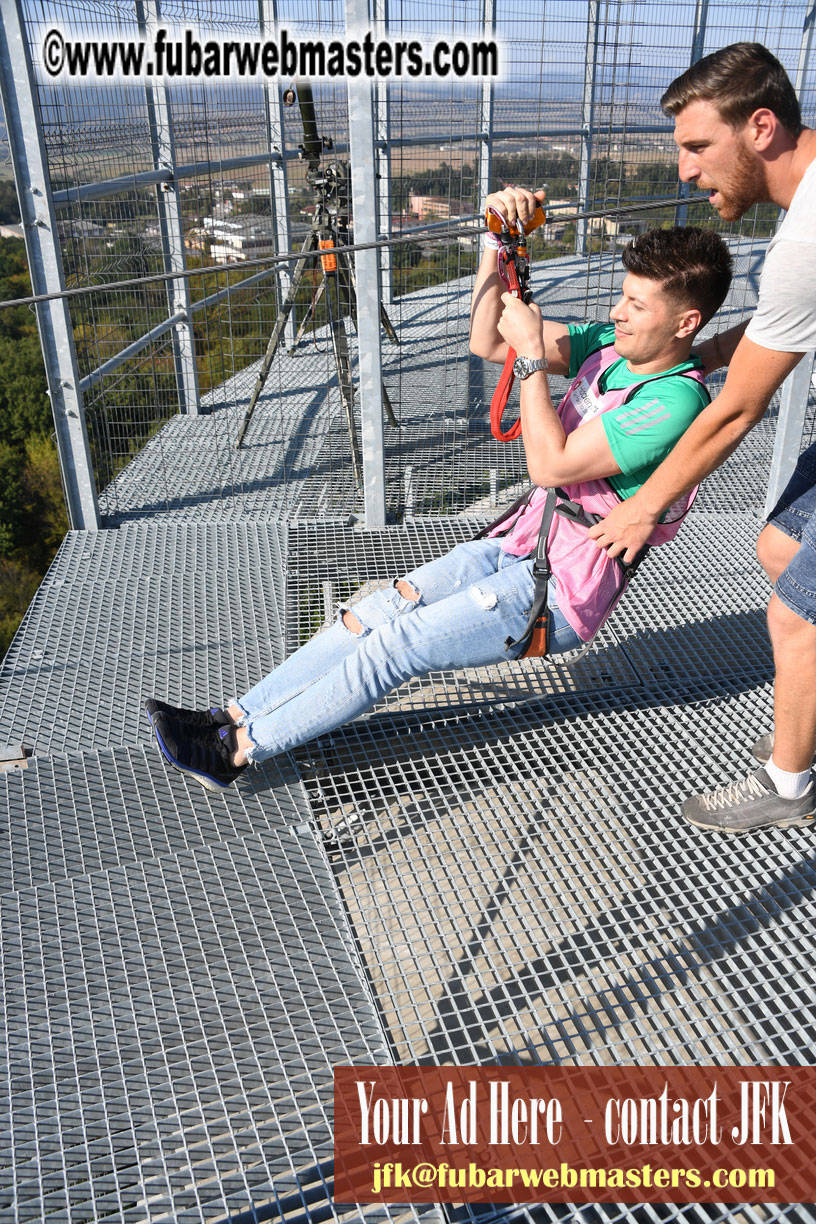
[[499, 402], [505, 384]]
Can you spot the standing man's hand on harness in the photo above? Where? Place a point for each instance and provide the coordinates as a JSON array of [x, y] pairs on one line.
[[626, 529]]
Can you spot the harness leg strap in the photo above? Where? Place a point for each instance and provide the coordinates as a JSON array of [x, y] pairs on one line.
[[536, 636]]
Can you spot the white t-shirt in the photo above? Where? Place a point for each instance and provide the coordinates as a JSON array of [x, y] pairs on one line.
[[785, 317]]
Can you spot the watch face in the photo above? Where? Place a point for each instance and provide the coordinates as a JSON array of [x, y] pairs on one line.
[[524, 366]]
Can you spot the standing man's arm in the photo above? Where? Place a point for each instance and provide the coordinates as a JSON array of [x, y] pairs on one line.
[[753, 376], [718, 350]]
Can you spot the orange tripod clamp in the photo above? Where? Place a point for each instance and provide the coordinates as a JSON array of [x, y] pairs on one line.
[[329, 262]]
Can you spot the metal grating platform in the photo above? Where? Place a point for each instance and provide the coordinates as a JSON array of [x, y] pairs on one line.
[[740, 485], [523, 888], [196, 614], [613, 1213], [329, 564], [503, 872], [188, 612], [171, 1028], [676, 621], [68, 816], [698, 605]]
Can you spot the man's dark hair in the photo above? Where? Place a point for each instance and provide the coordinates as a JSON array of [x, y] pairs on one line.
[[739, 80], [693, 265]]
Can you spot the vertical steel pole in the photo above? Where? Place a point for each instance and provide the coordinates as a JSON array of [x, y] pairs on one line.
[[790, 424], [171, 225], [796, 387], [485, 153], [587, 124], [278, 186], [21, 106], [382, 145], [367, 263], [698, 38], [804, 49], [697, 46]]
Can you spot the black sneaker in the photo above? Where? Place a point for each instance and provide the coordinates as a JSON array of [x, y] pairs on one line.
[[214, 717], [203, 753]]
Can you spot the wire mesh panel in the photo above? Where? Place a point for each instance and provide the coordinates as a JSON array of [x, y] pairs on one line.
[[576, 111], [440, 459]]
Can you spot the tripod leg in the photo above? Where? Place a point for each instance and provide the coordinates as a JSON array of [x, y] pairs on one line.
[[347, 297], [388, 326], [389, 411], [343, 363], [352, 293], [309, 315], [275, 338]]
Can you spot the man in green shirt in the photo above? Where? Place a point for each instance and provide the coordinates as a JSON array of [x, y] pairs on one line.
[[635, 391]]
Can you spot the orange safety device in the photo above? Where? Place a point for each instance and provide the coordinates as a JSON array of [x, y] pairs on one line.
[[514, 269], [329, 262], [495, 222]]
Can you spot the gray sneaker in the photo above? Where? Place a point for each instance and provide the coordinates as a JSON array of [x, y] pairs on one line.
[[752, 803]]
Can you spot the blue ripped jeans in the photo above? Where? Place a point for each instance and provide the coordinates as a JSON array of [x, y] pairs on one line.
[[471, 601]]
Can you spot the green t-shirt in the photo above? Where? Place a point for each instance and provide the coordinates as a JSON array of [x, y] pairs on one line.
[[639, 440]]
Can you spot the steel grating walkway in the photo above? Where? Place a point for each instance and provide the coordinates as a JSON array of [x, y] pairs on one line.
[[153, 608], [490, 866], [548, 905], [179, 1035], [119, 616]]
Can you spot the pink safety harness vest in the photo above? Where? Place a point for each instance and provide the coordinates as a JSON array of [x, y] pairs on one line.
[[553, 523]]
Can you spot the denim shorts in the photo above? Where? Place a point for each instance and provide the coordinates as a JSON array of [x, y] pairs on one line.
[[795, 514]]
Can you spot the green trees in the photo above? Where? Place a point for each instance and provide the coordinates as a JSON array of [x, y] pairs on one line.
[[32, 512], [9, 208]]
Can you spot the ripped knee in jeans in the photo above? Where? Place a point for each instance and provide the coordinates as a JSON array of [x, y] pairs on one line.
[[400, 586], [406, 590], [485, 599], [351, 622]]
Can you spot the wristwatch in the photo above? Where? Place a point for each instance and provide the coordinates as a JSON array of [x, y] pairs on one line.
[[523, 367]]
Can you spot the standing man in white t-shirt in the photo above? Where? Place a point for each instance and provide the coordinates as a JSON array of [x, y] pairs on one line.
[[739, 131]]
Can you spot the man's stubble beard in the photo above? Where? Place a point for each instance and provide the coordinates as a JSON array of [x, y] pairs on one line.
[[748, 186]]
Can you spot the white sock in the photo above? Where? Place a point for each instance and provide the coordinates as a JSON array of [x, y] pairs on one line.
[[789, 785]]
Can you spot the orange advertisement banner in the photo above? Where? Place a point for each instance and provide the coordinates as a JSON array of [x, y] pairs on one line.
[[575, 1134]]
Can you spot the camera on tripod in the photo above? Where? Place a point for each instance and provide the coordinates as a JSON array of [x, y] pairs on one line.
[[331, 181], [328, 233]]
